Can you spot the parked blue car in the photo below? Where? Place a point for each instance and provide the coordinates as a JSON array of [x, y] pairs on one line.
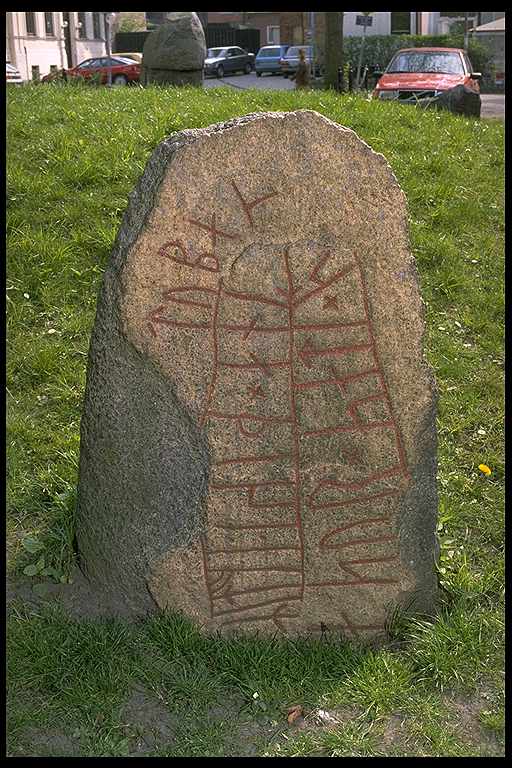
[[268, 57]]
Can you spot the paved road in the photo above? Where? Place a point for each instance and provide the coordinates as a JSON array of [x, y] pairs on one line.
[[271, 82], [493, 105]]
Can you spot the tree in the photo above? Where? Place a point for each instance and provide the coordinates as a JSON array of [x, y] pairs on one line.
[[131, 22], [333, 48], [358, 76]]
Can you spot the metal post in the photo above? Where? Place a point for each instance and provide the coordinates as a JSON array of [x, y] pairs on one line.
[[106, 19], [466, 31], [360, 58]]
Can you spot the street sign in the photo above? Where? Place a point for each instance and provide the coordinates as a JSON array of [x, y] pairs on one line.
[[364, 21]]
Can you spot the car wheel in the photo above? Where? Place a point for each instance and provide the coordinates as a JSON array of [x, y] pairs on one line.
[[258, 74], [247, 69], [220, 71], [119, 80]]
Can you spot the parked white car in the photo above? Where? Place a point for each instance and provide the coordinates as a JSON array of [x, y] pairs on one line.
[[12, 75]]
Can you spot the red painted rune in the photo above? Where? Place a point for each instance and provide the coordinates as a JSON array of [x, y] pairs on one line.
[[306, 469]]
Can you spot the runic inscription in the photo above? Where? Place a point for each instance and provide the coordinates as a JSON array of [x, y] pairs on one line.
[[298, 503], [258, 445]]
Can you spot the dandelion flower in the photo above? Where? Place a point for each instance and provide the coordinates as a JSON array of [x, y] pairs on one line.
[[485, 469]]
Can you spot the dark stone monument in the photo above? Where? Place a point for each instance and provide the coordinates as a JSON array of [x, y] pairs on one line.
[[174, 54], [258, 443]]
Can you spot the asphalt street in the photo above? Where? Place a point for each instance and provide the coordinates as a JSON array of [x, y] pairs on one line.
[[493, 105], [273, 82]]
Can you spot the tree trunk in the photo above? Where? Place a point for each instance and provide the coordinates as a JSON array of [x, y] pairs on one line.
[[333, 48]]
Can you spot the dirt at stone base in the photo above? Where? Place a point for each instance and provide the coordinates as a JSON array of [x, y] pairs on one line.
[[47, 743], [147, 722], [79, 599]]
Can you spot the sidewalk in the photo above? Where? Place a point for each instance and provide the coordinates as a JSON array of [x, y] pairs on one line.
[[493, 105]]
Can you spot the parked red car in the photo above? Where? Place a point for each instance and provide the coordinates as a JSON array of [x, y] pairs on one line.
[[124, 70], [432, 76]]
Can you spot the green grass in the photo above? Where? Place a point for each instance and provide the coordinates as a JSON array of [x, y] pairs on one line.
[[74, 154]]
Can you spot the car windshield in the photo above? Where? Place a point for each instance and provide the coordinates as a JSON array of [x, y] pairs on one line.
[[269, 52], [434, 62], [294, 51], [215, 53]]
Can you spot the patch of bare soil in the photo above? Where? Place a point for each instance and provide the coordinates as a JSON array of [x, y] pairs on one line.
[[466, 710], [47, 743], [79, 599], [393, 733], [248, 731], [148, 724]]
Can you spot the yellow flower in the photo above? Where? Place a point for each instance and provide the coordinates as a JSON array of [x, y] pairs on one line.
[[485, 469]]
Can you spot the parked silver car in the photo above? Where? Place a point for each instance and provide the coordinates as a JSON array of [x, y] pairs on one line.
[[219, 61], [290, 61]]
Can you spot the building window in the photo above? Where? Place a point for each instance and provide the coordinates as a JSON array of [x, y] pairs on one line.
[[273, 35], [82, 31], [96, 26], [53, 68], [30, 21], [401, 23], [35, 73], [48, 24]]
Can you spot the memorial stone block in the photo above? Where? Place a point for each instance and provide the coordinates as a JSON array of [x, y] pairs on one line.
[[174, 54], [258, 441]]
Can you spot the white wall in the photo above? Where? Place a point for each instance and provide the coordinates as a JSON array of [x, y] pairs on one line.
[[429, 22], [38, 50], [381, 23], [440, 25], [88, 47], [26, 51]]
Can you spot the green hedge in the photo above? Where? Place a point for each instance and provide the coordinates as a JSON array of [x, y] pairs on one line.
[[379, 49]]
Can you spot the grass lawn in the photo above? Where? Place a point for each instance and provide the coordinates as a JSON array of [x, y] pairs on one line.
[[158, 687]]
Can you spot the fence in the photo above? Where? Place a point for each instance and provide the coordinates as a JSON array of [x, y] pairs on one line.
[[217, 36]]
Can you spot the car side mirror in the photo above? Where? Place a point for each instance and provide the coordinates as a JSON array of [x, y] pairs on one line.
[[476, 75]]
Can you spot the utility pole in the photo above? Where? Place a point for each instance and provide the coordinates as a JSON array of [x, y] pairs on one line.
[[108, 19], [333, 48], [366, 15]]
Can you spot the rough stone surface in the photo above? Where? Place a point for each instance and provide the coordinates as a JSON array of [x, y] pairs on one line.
[[258, 441], [174, 77], [174, 54]]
